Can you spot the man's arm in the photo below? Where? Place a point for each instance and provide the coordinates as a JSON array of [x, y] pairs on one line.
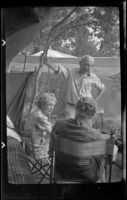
[[100, 92], [52, 67], [99, 85], [58, 69]]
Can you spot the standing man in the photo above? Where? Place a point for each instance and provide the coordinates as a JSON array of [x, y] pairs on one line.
[[78, 84]]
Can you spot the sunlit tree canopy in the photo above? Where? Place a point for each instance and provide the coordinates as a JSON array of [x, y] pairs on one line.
[[89, 30]]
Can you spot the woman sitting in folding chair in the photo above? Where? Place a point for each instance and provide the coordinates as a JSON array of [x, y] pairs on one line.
[[80, 129], [38, 125]]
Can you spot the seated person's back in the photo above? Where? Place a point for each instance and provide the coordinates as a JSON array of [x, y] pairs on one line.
[[80, 129]]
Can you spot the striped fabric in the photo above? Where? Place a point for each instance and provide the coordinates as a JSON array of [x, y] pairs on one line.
[[18, 164]]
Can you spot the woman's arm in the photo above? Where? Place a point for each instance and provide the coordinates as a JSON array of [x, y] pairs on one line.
[[44, 127]]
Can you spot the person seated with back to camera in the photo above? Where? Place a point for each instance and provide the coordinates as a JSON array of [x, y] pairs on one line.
[[80, 129], [39, 126]]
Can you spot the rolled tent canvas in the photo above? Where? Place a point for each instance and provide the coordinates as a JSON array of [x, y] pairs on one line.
[[16, 87]]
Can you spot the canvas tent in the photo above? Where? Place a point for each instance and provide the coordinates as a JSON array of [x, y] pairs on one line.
[[105, 68], [32, 61], [16, 87], [109, 65]]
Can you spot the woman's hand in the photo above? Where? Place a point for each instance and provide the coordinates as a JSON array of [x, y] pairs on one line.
[[45, 127]]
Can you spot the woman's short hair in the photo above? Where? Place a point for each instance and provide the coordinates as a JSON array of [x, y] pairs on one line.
[[86, 107], [46, 99]]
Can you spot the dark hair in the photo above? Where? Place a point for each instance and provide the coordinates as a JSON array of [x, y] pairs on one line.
[[86, 107]]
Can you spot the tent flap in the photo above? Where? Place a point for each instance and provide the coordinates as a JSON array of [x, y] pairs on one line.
[[16, 87]]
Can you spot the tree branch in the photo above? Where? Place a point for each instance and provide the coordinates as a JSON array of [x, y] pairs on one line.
[[63, 20], [42, 57], [74, 26]]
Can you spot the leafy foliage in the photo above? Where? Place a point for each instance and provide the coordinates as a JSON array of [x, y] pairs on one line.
[[89, 30]]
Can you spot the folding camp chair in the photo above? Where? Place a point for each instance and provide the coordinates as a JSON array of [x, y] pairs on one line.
[[42, 170], [39, 168], [80, 149]]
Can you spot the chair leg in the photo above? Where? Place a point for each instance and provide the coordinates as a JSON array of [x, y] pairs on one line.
[[38, 167], [52, 168], [110, 169], [103, 177], [102, 118], [51, 173], [42, 175], [46, 173], [34, 166], [106, 163]]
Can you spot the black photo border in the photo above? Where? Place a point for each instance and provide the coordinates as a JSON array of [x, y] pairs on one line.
[[59, 191]]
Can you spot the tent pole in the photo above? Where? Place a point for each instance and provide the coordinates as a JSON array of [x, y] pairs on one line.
[[25, 61], [24, 64]]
